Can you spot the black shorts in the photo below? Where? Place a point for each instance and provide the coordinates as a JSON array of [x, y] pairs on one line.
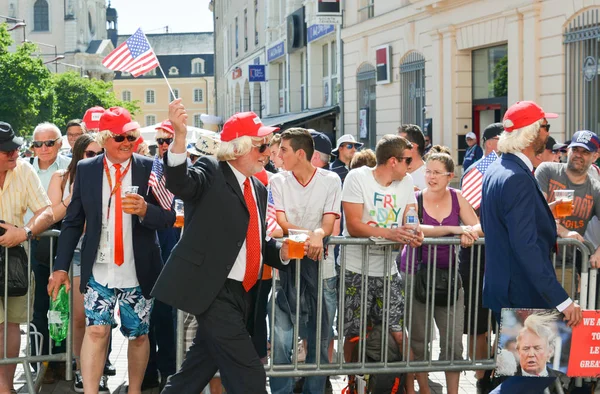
[[473, 288]]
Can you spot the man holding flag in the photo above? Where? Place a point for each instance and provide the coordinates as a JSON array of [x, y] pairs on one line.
[[162, 329], [520, 231], [471, 188]]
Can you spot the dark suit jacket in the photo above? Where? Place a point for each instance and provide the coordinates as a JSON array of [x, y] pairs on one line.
[[86, 209], [216, 221], [520, 235]]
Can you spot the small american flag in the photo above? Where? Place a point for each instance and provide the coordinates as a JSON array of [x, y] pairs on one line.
[[134, 56], [471, 189], [157, 182], [271, 214]]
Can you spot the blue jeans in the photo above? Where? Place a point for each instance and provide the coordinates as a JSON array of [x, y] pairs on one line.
[[330, 299], [282, 343]]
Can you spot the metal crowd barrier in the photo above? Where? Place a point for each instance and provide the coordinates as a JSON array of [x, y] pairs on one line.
[[34, 383], [581, 286], [567, 275]]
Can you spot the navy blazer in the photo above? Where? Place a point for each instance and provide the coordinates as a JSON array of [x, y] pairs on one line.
[[86, 209], [520, 236], [216, 222]]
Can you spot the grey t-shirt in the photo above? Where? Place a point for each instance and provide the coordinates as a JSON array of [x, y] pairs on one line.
[[586, 203]]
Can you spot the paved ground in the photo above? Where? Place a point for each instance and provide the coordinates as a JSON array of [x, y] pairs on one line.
[[117, 384]]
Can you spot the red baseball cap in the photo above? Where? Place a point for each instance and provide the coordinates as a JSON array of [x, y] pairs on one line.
[[245, 123], [166, 126], [92, 117], [117, 120], [524, 113]]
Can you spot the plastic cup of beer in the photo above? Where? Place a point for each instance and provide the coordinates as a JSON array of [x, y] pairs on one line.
[[178, 214], [125, 192], [564, 202], [297, 238]]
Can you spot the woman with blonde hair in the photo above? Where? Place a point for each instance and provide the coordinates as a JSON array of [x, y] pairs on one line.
[[445, 212]]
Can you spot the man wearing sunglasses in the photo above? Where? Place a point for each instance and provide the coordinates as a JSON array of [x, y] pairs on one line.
[[416, 168], [21, 190], [219, 257], [164, 137], [120, 253], [346, 148], [162, 330], [47, 141]]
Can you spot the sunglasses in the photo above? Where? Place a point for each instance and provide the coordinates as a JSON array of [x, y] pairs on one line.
[[91, 153], [261, 148], [167, 141], [350, 146], [408, 160], [545, 126], [49, 143], [10, 152], [121, 138]]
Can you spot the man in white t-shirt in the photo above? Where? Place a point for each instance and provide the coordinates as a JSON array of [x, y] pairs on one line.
[[306, 198], [416, 166], [375, 201]]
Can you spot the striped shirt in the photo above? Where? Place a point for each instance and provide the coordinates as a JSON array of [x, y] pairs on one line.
[[22, 189]]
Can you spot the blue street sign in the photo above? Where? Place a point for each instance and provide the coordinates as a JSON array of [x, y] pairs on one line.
[[317, 31], [256, 73], [275, 52]]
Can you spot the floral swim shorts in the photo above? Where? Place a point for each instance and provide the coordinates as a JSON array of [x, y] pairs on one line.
[[100, 302]]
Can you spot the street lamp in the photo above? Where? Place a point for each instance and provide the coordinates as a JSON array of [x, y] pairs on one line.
[[20, 23], [74, 66], [56, 57]]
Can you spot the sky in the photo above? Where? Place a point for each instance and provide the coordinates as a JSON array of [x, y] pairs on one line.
[[153, 15]]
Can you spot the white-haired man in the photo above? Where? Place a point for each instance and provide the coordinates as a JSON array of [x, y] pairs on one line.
[[225, 208], [47, 141], [519, 228]]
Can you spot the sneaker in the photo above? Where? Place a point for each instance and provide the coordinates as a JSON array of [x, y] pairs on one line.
[[109, 369], [103, 385], [78, 382]]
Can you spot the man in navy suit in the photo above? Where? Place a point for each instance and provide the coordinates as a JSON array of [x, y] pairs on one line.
[[120, 255], [520, 231]]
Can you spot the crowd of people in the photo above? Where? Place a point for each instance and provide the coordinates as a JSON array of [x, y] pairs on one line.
[[246, 188]]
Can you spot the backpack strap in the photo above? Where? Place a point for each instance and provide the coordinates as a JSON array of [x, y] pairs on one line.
[[420, 214]]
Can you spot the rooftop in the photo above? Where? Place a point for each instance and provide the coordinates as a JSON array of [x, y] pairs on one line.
[[178, 43]]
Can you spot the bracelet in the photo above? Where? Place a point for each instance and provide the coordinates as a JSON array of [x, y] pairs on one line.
[[63, 203]]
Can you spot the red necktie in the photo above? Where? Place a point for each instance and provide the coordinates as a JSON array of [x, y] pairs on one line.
[[252, 240], [119, 258]]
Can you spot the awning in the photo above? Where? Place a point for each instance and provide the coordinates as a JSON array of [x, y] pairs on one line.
[[298, 118]]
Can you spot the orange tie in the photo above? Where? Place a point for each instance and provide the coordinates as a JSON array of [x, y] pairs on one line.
[[252, 240], [118, 218]]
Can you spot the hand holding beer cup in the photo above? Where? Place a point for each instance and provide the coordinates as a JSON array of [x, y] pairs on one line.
[[131, 202], [564, 203], [296, 241], [178, 214]]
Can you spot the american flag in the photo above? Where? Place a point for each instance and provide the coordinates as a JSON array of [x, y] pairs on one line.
[[271, 214], [157, 182], [471, 189], [134, 56]]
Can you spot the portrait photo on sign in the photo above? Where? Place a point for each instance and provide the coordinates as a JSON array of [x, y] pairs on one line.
[[533, 342]]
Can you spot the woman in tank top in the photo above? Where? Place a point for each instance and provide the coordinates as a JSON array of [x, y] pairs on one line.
[[445, 213], [59, 192]]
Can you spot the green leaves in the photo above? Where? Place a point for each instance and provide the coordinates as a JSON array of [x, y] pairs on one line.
[[31, 94]]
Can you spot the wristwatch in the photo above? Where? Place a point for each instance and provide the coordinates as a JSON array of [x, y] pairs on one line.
[[28, 232]]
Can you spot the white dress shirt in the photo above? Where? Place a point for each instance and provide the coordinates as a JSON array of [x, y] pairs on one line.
[[239, 266], [109, 274]]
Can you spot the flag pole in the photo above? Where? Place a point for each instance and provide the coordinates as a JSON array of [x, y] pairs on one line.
[[166, 80]]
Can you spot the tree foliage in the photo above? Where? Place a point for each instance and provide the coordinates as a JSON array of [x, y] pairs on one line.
[[73, 95], [31, 94], [25, 86]]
